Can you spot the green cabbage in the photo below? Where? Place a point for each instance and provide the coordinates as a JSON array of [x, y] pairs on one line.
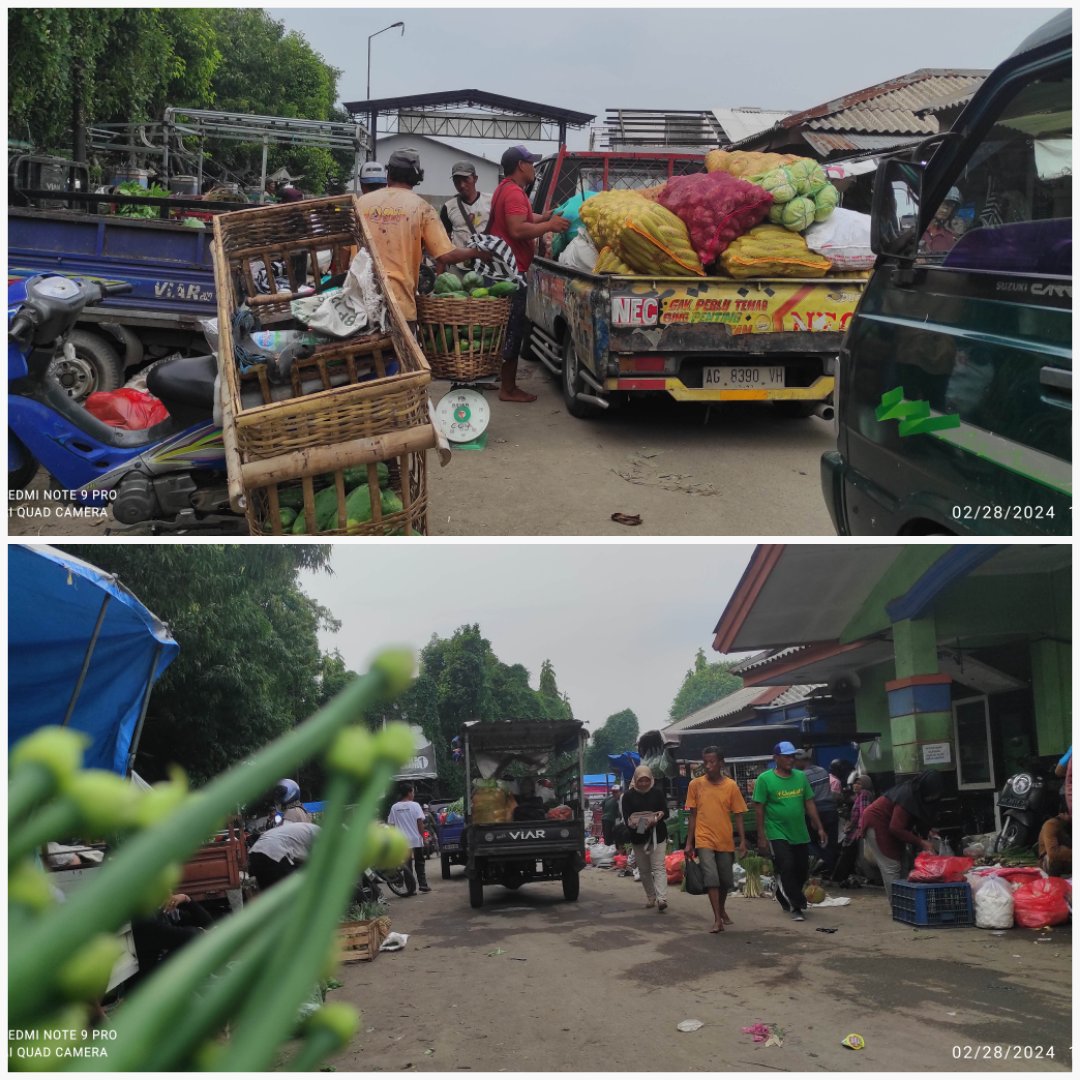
[[825, 201]]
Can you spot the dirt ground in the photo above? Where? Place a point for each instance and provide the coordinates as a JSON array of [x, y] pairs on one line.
[[684, 469], [532, 983]]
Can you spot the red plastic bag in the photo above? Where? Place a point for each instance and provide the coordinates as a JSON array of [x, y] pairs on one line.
[[944, 868], [1015, 875], [588, 856], [673, 863], [133, 410], [1042, 902], [716, 209], [620, 862]]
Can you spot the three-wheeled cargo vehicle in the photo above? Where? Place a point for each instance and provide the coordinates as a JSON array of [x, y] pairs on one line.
[[524, 809]]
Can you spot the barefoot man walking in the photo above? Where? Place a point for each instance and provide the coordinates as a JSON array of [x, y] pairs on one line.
[[711, 800]]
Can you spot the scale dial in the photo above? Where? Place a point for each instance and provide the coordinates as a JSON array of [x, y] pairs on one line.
[[463, 415]]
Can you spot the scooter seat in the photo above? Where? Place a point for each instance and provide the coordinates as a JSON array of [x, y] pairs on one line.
[[185, 381]]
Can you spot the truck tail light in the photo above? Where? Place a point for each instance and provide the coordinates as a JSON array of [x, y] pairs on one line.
[[632, 365]]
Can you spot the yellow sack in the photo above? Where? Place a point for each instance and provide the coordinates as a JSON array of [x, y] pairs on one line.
[[610, 263], [772, 251], [645, 236], [744, 163], [492, 805]]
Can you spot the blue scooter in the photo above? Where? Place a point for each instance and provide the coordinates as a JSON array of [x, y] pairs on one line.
[[167, 478]]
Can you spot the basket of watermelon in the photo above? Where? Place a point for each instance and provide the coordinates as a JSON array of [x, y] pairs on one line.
[[462, 326]]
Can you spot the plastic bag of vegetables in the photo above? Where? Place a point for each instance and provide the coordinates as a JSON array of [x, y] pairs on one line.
[[716, 208]]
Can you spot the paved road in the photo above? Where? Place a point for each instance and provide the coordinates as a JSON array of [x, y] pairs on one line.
[[686, 471], [531, 982]]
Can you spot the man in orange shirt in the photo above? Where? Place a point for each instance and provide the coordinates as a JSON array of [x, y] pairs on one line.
[[711, 800], [402, 226]]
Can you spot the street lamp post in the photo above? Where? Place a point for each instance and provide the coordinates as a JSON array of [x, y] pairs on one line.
[[370, 36]]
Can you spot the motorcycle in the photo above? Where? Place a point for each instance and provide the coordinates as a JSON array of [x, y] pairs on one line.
[[1027, 800], [168, 478]]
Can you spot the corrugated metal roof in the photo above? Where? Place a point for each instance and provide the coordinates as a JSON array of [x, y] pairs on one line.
[[749, 697], [826, 143], [792, 695], [765, 657], [741, 123]]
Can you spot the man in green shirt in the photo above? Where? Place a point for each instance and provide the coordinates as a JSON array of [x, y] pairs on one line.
[[783, 799]]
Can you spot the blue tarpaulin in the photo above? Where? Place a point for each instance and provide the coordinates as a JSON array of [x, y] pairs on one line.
[[55, 602], [626, 763]]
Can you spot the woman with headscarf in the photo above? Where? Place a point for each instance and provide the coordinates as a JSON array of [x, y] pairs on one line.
[[862, 788], [644, 809], [889, 823]]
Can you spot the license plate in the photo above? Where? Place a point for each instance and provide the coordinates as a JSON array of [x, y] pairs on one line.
[[743, 378]]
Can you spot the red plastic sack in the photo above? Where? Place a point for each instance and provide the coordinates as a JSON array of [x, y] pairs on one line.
[[716, 209], [133, 410], [620, 862], [673, 863], [1015, 875], [1042, 902], [588, 855], [944, 868]]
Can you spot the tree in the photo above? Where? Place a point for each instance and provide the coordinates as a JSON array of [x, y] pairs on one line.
[[703, 684], [554, 704], [618, 734], [249, 666]]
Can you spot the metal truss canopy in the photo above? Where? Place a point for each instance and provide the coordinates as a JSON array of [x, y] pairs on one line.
[[471, 126]]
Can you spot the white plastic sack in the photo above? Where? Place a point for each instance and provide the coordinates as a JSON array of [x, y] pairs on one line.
[[394, 942], [994, 905], [602, 854], [580, 253], [357, 306], [844, 239]]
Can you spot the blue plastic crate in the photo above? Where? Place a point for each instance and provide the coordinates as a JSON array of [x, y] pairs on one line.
[[932, 905]]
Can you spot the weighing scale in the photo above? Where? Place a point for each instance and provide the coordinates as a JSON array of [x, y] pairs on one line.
[[463, 416]]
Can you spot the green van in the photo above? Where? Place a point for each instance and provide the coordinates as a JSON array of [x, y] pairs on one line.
[[954, 384]]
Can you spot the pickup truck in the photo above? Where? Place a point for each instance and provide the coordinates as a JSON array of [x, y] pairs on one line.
[[168, 265], [611, 337], [511, 847]]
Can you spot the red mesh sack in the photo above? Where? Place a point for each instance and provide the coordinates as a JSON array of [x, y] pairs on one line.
[[673, 863], [1042, 903], [716, 209], [943, 868], [620, 862], [133, 410]]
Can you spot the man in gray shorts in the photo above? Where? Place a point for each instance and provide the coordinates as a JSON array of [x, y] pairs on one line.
[[712, 799]]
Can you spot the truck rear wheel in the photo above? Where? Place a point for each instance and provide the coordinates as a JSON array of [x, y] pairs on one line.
[[572, 384], [571, 883], [96, 366], [476, 892]]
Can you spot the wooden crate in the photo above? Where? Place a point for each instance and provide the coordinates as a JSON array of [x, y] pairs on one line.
[[447, 325], [362, 940], [407, 480], [360, 387]]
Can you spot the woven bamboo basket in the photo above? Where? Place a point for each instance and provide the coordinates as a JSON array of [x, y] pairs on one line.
[[407, 481], [359, 387], [362, 940], [463, 339]]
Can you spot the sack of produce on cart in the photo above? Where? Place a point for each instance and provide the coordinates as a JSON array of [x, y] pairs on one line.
[[647, 237], [610, 263], [491, 803], [772, 251], [571, 210], [801, 192], [580, 253], [716, 208], [744, 163], [844, 239]]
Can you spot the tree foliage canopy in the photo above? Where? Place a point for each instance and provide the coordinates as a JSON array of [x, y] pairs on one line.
[[618, 734], [703, 684], [126, 65], [249, 666]]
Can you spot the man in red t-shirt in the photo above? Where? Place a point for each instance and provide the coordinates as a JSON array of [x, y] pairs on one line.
[[513, 220]]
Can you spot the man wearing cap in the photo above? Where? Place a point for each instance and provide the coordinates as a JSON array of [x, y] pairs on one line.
[[467, 213], [712, 799], [783, 800], [372, 177], [402, 226], [513, 220]]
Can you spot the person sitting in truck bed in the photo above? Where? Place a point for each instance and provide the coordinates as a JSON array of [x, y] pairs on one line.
[[530, 806]]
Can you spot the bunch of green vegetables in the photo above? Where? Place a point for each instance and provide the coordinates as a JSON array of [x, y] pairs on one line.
[[140, 210], [755, 866], [230, 999]]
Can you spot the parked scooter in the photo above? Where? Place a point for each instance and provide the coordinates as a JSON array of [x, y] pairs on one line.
[[1027, 800], [168, 478]]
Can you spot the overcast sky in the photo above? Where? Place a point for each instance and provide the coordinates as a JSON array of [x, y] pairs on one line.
[[678, 58], [620, 622]]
